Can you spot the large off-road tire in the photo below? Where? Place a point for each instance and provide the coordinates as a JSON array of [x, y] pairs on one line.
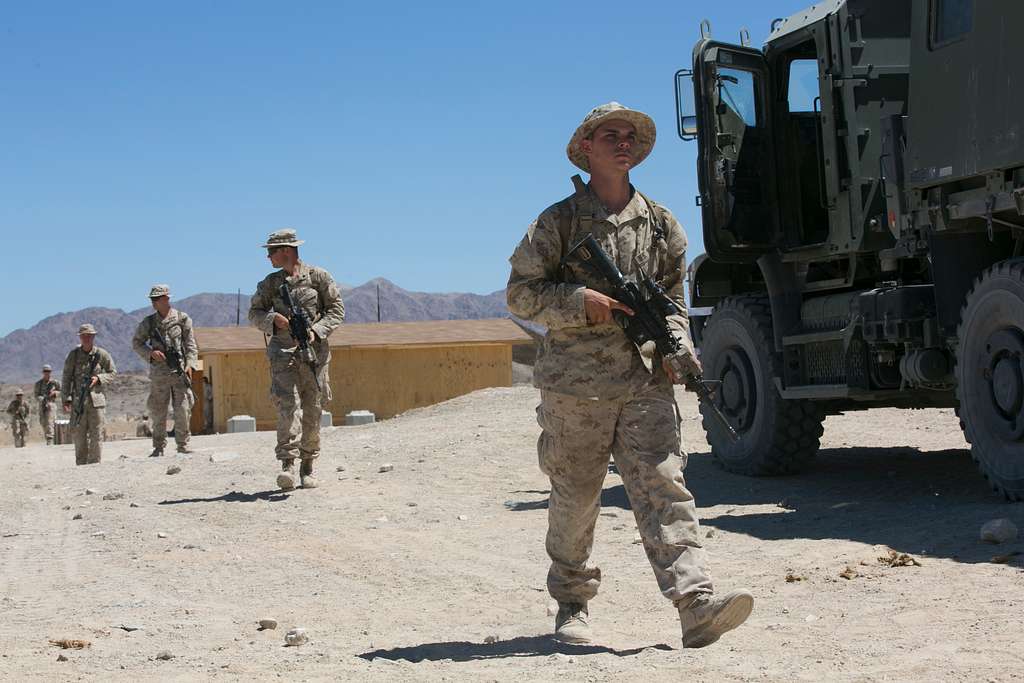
[[990, 375], [776, 436]]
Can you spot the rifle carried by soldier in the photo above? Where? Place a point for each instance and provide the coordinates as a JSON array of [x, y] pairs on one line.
[[78, 409], [173, 359], [651, 306], [299, 325]]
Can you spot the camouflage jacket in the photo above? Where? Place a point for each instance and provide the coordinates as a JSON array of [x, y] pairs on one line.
[[311, 288], [575, 357], [176, 328], [43, 391], [18, 410], [76, 374]]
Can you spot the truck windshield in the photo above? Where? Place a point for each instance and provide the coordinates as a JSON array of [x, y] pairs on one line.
[[736, 92]]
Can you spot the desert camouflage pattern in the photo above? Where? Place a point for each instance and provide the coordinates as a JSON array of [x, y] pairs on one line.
[[292, 381], [165, 386], [19, 411], [642, 431], [594, 360], [88, 435], [46, 393]]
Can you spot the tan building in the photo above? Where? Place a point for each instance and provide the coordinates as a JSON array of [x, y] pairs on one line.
[[386, 368]]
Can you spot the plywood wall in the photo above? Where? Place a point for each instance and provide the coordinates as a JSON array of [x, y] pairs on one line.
[[386, 380]]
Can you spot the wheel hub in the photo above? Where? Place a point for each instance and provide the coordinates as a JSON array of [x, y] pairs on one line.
[[1004, 351], [737, 398]]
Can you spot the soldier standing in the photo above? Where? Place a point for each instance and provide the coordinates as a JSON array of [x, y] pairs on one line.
[[18, 410], [294, 379], [600, 394], [88, 370], [164, 339], [46, 392]]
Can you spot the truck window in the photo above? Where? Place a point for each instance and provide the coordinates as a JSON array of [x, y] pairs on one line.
[[951, 21], [803, 85], [736, 93]]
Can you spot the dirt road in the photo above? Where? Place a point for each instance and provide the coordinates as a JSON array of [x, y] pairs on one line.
[[435, 570]]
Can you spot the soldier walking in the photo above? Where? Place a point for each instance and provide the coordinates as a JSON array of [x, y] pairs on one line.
[[295, 376], [46, 392], [602, 395], [18, 410], [88, 370], [164, 339]]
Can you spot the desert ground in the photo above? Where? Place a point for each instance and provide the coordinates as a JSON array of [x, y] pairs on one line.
[[434, 569]]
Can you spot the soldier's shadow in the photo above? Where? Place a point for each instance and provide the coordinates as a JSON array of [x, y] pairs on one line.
[[233, 497], [523, 646]]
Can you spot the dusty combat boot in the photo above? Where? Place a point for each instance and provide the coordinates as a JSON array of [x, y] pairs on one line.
[[158, 452], [286, 480], [185, 449], [306, 475], [571, 623], [706, 617]]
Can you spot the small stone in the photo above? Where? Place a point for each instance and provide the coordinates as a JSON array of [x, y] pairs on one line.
[[268, 624], [98, 534], [710, 533], [386, 467], [999, 531], [224, 457], [173, 469], [133, 505], [810, 617], [62, 658], [411, 504], [164, 655], [339, 468], [382, 519], [161, 534], [77, 515], [463, 518], [296, 637], [637, 539], [90, 492], [552, 608], [490, 640], [113, 495]]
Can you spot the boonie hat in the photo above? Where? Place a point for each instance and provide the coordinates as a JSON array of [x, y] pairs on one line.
[[86, 328], [19, 392], [157, 291], [47, 368], [644, 124], [283, 238]]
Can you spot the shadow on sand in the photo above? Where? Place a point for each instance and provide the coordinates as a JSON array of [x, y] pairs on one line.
[[524, 646], [233, 497]]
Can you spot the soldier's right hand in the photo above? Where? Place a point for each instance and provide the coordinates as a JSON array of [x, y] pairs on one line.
[[67, 407], [158, 356], [599, 307], [280, 322]]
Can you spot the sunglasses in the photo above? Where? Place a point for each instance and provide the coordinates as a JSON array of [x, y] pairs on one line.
[[273, 250]]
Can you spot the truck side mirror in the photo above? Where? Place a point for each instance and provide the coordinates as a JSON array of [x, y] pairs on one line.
[[686, 118]]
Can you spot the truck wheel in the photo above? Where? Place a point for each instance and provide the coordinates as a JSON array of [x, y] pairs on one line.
[[776, 436], [990, 375]]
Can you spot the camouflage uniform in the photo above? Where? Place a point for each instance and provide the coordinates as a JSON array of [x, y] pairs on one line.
[[292, 380], [88, 433], [18, 410], [45, 393], [165, 385], [600, 395]]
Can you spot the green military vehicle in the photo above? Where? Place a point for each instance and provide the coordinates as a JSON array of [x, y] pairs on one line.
[[862, 189]]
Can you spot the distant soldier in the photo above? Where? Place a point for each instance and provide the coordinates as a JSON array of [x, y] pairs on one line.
[[143, 428], [164, 339], [294, 375], [88, 370], [46, 393], [18, 410]]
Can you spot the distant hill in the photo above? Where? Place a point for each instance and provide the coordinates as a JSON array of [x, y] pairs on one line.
[[23, 352]]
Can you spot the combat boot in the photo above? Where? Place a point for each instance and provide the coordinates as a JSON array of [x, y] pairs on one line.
[[306, 475], [286, 480], [158, 451], [185, 449], [571, 625], [706, 617]]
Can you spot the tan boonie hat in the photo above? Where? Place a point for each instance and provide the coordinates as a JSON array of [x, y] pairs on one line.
[[157, 291], [47, 368], [644, 124], [283, 238], [19, 392], [86, 328]]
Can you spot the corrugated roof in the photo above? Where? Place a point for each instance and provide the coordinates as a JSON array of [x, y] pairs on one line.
[[420, 333]]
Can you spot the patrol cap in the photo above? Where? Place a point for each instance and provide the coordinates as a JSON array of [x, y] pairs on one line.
[[157, 291], [47, 368], [86, 328], [644, 124], [19, 392], [283, 238]]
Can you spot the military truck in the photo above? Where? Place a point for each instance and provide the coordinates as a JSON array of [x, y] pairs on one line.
[[862, 189]]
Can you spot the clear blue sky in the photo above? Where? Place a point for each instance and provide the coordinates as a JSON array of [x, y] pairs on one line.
[[161, 142]]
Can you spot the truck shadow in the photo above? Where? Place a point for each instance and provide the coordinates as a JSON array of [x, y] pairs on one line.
[[523, 646]]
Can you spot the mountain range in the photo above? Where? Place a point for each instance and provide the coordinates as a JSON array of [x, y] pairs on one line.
[[23, 352]]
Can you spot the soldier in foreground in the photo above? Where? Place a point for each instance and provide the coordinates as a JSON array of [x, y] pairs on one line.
[[46, 391], [298, 350], [164, 339], [600, 394], [88, 370], [18, 410]]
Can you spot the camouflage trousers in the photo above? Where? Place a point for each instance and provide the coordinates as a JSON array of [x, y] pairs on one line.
[[299, 405], [164, 388], [46, 418], [641, 432], [88, 436], [20, 430]]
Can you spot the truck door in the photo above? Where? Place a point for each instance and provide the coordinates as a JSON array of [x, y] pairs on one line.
[[735, 160]]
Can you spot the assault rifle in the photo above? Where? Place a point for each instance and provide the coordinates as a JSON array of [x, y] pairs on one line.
[[78, 409], [299, 325], [651, 306], [173, 358]]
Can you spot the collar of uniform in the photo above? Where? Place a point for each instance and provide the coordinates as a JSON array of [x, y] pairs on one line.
[[635, 208], [300, 270]]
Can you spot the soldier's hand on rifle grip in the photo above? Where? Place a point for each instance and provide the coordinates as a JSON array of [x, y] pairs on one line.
[[67, 406], [280, 322], [94, 381], [158, 356], [312, 337], [599, 307], [681, 365]]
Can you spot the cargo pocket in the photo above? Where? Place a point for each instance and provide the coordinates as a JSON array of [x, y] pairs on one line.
[[552, 428]]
